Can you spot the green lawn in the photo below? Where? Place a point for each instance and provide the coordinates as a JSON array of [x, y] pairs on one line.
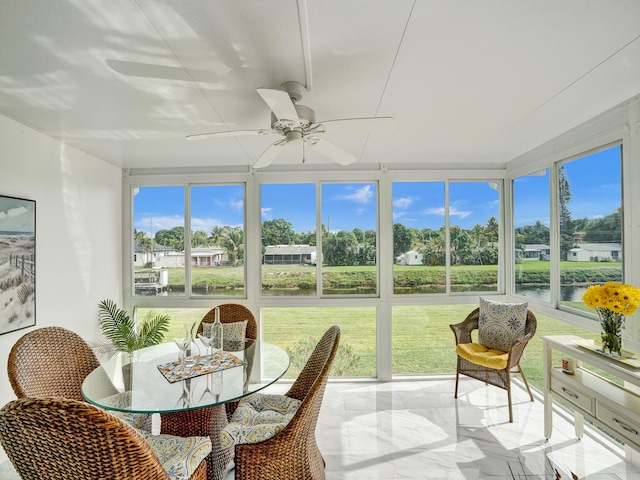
[[422, 342]]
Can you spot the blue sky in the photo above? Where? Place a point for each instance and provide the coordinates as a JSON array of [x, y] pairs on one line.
[[594, 180], [17, 215]]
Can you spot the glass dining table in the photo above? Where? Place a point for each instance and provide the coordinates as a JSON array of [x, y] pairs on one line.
[[192, 406]]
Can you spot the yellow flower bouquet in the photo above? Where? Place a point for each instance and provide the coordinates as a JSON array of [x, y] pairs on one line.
[[612, 301]]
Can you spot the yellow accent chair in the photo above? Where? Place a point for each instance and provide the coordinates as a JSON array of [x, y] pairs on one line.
[[503, 331]]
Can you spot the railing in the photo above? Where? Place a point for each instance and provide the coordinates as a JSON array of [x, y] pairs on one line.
[[26, 263]]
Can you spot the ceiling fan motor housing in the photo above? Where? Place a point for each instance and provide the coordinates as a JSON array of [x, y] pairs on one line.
[[306, 117]]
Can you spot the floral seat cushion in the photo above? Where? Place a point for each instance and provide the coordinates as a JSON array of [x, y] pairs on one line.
[[179, 456], [258, 417], [141, 421]]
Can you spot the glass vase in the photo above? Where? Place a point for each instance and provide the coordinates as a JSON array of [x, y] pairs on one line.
[[611, 324]]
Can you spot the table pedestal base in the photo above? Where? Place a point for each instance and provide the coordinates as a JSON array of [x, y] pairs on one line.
[[204, 422]]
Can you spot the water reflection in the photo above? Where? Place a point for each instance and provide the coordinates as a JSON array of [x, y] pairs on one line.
[[568, 293]]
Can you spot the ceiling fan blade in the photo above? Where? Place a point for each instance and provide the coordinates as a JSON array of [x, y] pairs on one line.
[[331, 150], [231, 133], [270, 154], [279, 102], [360, 125]]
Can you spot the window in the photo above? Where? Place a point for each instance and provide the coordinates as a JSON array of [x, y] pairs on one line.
[[590, 222], [215, 259], [531, 220], [474, 236], [217, 240], [158, 241], [297, 330], [349, 238], [419, 243], [289, 255]]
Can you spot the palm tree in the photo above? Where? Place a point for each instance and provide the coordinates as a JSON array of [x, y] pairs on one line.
[[232, 241]]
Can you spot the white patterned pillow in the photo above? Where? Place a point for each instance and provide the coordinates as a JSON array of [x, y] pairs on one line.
[[233, 334], [179, 456], [500, 324], [258, 417]]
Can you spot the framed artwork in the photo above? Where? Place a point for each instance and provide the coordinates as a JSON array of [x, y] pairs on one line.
[[17, 263]]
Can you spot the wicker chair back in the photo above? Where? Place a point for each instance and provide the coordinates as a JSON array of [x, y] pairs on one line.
[[50, 362]]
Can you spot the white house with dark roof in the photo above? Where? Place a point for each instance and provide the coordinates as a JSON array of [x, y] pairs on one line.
[[289, 255]]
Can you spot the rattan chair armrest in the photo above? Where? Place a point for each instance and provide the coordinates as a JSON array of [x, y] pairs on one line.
[[462, 330]]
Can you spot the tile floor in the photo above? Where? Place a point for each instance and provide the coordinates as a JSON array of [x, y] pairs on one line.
[[416, 430]]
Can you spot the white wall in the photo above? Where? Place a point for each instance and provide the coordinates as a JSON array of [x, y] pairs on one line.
[[78, 231]]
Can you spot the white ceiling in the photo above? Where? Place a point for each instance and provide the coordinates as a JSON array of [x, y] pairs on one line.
[[469, 82]]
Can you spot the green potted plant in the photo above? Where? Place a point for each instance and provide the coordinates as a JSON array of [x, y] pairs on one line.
[[123, 333]]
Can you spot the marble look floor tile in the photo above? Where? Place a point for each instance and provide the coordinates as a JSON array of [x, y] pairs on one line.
[[417, 430]]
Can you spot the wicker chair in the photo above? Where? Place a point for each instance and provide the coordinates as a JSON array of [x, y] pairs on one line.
[[233, 312], [68, 360], [67, 440], [65, 356], [293, 453], [500, 378]]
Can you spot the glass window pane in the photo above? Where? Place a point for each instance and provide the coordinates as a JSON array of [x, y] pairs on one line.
[[474, 213], [217, 240], [590, 200], [423, 343], [418, 237], [349, 217], [158, 240], [531, 220], [297, 330], [178, 318], [288, 239]]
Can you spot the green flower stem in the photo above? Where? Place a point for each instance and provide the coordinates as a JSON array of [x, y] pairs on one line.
[[611, 335]]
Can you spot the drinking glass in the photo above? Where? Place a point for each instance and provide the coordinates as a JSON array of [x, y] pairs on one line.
[[182, 343], [206, 341]]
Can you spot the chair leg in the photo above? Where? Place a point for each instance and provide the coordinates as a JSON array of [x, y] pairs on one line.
[[510, 406], [455, 395], [526, 384]]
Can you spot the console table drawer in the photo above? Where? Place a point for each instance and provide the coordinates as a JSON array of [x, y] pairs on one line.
[[573, 395], [619, 423]]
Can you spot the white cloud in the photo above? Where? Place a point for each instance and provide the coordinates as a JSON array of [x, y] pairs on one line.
[[362, 195], [453, 212], [204, 224], [237, 204], [404, 202], [153, 224], [265, 213], [14, 212]]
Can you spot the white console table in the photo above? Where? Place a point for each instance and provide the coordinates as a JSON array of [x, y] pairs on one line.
[[612, 407]]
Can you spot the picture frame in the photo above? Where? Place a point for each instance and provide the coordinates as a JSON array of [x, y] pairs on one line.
[[17, 263]]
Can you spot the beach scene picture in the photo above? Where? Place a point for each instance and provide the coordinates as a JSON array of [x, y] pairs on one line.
[[17, 263]]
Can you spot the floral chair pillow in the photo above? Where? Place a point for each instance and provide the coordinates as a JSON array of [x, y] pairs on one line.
[[500, 324], [233, 334]]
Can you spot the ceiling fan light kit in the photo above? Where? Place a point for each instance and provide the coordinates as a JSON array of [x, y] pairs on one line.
[[297, 124]]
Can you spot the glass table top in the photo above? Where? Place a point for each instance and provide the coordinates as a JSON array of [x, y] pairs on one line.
[[148, 391]]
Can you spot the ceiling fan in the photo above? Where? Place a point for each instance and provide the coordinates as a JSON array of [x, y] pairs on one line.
[[297, 125]]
